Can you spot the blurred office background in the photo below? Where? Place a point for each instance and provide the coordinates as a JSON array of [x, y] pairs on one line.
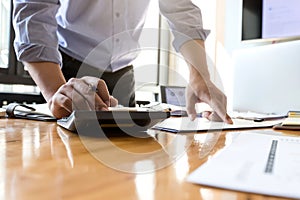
[[231, 59]]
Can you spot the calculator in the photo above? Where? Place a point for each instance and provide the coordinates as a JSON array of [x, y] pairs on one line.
[[91, 122]]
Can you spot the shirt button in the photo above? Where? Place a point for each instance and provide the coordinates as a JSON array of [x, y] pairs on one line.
[[117, 14], [117, 40]]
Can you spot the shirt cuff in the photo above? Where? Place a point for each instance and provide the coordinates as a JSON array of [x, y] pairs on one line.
[[36, 53], [181, 38]]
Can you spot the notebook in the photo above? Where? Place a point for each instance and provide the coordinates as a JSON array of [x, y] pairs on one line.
[[292, 122]]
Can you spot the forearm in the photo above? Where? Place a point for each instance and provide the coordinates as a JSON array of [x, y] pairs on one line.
[[47, 76], [194, 54]]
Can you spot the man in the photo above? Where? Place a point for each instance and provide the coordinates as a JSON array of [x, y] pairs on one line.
[[59, 39]]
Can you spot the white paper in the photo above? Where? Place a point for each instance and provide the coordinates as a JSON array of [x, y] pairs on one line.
[[2, 112], [247, 165], [184, 124]]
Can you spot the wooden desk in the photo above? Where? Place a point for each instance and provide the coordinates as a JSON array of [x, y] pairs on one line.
[[39, 160]]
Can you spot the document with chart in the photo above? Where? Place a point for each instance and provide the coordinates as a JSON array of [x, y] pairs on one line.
[[257, 163]]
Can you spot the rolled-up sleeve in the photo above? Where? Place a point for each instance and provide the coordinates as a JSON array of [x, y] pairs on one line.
[[35, 28], [185, 20]]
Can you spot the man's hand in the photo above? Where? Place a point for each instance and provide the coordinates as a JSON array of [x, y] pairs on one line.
[[200, 88], [87, 93], [199, 91]]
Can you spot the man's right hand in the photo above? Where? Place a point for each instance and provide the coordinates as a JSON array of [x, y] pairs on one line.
[[86, 93]]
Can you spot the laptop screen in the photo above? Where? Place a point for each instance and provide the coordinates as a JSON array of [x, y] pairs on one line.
[[174, 95]]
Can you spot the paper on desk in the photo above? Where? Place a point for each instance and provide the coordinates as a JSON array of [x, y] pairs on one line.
[[2, 112], [41, 108], [256, 163], [184, 124]]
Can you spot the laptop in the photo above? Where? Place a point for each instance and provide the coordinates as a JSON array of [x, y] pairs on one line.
[[175, 96]]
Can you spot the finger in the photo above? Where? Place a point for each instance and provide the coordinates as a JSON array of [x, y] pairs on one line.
[[98, 103], [228, 119], [206, 114], [60, 105], [87, 100], [85, 95], [113, 101], [90, 102], [214, 117], [190, 105], [100, 88], [220, 112], [103, 92], [218, 104], [80, 102], [82, 96]]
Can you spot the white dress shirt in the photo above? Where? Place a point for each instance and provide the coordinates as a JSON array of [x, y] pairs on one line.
[[103, 33]]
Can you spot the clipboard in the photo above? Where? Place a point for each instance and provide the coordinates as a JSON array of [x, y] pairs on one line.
[[185, 125]]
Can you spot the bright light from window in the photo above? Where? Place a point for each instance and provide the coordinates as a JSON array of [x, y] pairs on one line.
[[4, 37], [146, 64]]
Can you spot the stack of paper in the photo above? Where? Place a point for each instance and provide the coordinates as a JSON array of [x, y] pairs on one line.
[[292, 122]]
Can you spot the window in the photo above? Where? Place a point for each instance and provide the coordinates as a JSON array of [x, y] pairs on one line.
[[11, 71], [15, 82], [151, 60], [4, 40]]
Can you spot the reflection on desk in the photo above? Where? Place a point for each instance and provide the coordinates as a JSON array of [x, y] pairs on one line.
[[39, 160]]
